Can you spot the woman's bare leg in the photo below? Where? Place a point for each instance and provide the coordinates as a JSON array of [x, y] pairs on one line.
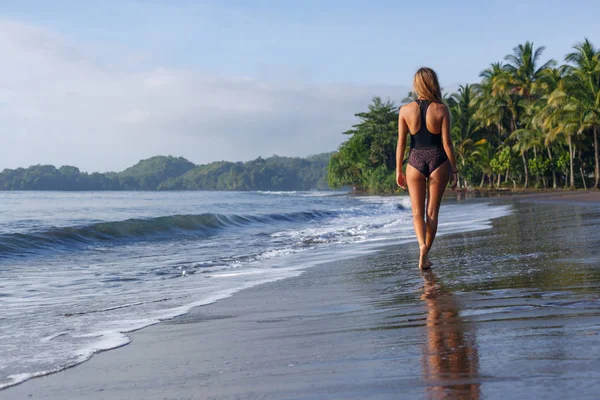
[[417, 188], [437, 185]]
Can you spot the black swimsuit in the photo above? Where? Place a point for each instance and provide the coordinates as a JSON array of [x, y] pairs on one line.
[[426, 151]]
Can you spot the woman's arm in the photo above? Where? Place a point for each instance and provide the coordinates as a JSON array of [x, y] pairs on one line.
[[447, 140], [400, 148]]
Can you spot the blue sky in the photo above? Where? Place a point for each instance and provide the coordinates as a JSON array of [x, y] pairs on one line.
[[268, 50], [379, 42]]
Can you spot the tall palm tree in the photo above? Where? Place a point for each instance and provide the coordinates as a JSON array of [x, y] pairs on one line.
[[583, 86], [562, 116], [525, 140], [524, 70], [462, 108], [522, 82], [493, 104], [531, 134], [483, 153], [547, 83]]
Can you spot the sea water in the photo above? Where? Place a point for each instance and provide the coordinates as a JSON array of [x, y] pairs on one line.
[[78, 271]]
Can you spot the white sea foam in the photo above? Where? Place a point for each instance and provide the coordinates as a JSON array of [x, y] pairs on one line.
[[312, 193]]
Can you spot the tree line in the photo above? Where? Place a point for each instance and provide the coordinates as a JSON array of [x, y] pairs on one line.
[[177, 173], [527, 123]]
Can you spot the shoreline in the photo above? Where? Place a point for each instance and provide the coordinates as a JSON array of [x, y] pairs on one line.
[[298, 308], [485, 193]]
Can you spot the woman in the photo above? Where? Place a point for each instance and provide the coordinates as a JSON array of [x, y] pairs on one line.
[[431, 163]]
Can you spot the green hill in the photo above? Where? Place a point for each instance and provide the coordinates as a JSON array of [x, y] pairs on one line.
[[149, 174], [177, 173]]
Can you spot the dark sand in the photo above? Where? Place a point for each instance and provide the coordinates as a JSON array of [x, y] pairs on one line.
[[507, 313], [588, 196]]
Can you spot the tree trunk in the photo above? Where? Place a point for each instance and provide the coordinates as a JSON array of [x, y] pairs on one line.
[[526, 170], [597, 166], [499, 178], [582, 177], [482, 178], [553, 170], [581, 171], [537, 175], [572, 175]]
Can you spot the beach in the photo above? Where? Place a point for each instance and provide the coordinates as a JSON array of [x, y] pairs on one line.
[[506, 312]]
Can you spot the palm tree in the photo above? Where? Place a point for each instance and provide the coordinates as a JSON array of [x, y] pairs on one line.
[[493, 105], [531, 133], [483, 154], [547, 83], [525, 140], [523, 69], [522, 84], [562, 116], [462, 109], [583, 86]]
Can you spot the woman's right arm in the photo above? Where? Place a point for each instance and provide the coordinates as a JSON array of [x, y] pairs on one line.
[[449, 147], [447, 139]]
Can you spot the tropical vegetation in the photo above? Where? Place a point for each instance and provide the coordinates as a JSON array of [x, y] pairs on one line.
[[177, 173], [529, 123]]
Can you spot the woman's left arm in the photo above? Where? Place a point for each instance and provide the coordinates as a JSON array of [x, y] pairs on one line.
[[400, 148]]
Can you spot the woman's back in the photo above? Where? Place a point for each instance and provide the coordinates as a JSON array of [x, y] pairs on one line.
[[434, 117]]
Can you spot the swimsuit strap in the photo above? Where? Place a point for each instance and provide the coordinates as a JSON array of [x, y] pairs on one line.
[[423, 106]]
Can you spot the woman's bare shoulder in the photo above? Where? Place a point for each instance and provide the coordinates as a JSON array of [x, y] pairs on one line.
[[439, 108], [409, 108]]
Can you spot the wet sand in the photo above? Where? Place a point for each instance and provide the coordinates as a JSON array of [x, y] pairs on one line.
[[581, 196], [508, 312]]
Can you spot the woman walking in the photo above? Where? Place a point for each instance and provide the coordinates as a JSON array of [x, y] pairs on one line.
[[431, 163]]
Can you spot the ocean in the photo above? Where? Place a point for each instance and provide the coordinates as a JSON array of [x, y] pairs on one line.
[[78, 271]]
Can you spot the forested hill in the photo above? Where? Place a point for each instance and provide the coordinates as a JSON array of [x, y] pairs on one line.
[[177, 173]]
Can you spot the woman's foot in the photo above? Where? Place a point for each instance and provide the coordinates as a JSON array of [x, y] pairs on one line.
[[424, 262]]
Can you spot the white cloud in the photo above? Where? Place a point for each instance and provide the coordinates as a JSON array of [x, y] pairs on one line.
[[60, 103]]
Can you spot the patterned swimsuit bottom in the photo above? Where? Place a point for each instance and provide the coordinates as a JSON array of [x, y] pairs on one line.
[[427, 160]]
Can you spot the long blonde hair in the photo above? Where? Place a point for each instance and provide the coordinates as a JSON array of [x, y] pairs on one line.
[[426, 85]]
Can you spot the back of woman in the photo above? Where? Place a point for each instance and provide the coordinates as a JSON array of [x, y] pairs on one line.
[[431, 161], [434, 116]]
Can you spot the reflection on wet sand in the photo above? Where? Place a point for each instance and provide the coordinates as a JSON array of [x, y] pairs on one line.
[[450, 360]]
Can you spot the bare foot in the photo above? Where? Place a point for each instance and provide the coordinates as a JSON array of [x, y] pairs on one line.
[[424, 262]]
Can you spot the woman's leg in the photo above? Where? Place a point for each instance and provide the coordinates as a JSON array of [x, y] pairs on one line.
[[417, 188], [437, 185]]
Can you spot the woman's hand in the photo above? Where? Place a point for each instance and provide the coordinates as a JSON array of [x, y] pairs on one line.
[[453, 180], [401, 179]]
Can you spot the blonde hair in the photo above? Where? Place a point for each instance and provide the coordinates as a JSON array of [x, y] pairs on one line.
[[426, 85]]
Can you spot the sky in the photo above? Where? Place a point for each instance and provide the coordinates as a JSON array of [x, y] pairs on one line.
[[104, 84]]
